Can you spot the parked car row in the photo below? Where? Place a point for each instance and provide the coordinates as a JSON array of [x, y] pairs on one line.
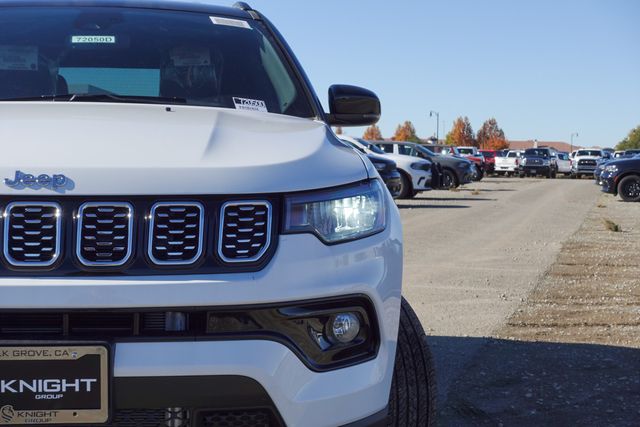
[[414, 167]]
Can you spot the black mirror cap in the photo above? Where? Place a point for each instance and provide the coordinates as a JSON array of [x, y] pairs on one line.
[[352, 106]]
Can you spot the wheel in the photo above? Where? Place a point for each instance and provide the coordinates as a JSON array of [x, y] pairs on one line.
[[449, 179], [549, 174], [414, 194], [567, 174], [406, 189], [479, 175], [629, 188], [521, 175], [413, 390], [573, 175], [554, 174]]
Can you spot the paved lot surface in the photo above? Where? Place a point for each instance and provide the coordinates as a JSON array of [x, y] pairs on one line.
[[522, 260]]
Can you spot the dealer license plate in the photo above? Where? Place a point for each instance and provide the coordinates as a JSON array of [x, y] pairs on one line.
[[54, 385]]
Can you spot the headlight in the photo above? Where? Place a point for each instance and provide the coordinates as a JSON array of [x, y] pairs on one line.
[[545, 162], [611, 168], [338, 215], [421, 166], [379, 166], [523, 161]]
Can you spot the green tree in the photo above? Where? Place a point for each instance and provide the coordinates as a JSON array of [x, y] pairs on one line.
[[491, 136], [372, 133], [461, 134], [406, 132], [631, 141]]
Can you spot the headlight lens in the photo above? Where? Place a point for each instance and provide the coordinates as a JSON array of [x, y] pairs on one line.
[[523, 161], [546, 162], [421, 166], [611, 168], [379, 166], [338, 215]]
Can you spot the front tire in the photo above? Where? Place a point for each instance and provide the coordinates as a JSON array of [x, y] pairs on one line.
[[479, 175], [629, 188], [413, 390], [406, 189], [449, 179]]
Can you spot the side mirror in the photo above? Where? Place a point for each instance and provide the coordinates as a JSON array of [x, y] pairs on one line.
[[352, 106]]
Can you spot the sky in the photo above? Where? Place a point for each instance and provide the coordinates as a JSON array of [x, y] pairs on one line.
[[543, 68]]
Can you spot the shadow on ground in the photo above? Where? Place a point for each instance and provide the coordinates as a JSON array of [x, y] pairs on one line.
[[538, 384], [456, 199], [404, 206]]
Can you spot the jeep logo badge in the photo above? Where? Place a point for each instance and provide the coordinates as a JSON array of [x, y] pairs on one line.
[[25, 180]]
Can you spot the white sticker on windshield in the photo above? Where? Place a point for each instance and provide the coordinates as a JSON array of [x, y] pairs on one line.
[[93, 39], [238, 23], [250, 104], [190, 56], [21, 58]]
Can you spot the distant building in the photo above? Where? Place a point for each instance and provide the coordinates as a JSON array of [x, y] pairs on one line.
[[558, 145]]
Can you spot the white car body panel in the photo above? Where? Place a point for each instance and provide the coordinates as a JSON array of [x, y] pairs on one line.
[[506, 163], [564, 166], [188, 150]]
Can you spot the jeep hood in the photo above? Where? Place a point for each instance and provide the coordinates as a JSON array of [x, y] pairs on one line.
[[135, 149]]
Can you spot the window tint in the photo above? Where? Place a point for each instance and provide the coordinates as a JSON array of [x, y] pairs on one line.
[[192, 57], [406, 150]]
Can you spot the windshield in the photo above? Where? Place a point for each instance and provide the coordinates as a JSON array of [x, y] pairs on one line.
[[596, 153], [536, 152], [372, 147], [488, 154], [465, 150], [192, 58], [424, 150]]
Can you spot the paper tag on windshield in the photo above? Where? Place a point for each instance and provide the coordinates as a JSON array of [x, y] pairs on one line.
[[250, 104], [190, 57], [93, 39], [238, 23], [19, 58]]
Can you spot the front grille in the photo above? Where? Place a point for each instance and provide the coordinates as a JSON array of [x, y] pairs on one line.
[[238, 418], [245, 231], [587, 162], [135, 235], [95, 324], [532, 162], [32, 234], [104, 234], [177, 417], [176, 231]]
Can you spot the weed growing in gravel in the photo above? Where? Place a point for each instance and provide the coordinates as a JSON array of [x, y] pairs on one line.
[[475, 193], [611, 226], [601, 205], [455, 190]]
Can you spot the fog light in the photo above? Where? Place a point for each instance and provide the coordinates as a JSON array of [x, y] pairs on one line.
[[344, 327]]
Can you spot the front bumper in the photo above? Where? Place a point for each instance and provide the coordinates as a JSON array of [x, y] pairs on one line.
[[583, 170], [534, 169], [421, 179], [302, 269], [608, 183], [392, 180]]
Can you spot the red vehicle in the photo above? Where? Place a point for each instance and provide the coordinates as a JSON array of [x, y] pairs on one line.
[[475, 156], [490, 160]]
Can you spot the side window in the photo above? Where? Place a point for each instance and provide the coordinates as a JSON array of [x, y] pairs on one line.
[[405, 150], [388, 148]]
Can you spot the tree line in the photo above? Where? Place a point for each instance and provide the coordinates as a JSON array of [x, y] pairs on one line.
[[632, 141], [489, 137]]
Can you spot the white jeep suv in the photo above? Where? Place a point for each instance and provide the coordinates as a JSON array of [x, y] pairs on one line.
[[185, 241]]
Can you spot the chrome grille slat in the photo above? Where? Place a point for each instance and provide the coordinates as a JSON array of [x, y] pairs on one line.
[[100, 226], [245, 231], [32, 233], [169, 243]]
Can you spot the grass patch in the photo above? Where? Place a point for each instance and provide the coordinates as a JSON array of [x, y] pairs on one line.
[[475, 193], [611, 226]]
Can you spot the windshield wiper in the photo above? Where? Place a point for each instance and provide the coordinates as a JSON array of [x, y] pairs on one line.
[[101, 97]]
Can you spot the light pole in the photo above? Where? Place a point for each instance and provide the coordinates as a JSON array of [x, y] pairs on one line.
[[575, 134], [435, 113]]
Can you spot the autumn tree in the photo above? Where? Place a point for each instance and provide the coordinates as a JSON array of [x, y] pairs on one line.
[[406, 132], [338, 130], [632, 141], [372, 133], [491, 137], [461, 133]]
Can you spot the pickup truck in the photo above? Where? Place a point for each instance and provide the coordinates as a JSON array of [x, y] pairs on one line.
[[508, 165], [585, 162]]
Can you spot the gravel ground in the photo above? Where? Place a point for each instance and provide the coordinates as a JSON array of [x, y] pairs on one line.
[[532, 304]]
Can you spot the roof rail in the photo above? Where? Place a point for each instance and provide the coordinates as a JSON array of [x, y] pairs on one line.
[[242, 6]]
